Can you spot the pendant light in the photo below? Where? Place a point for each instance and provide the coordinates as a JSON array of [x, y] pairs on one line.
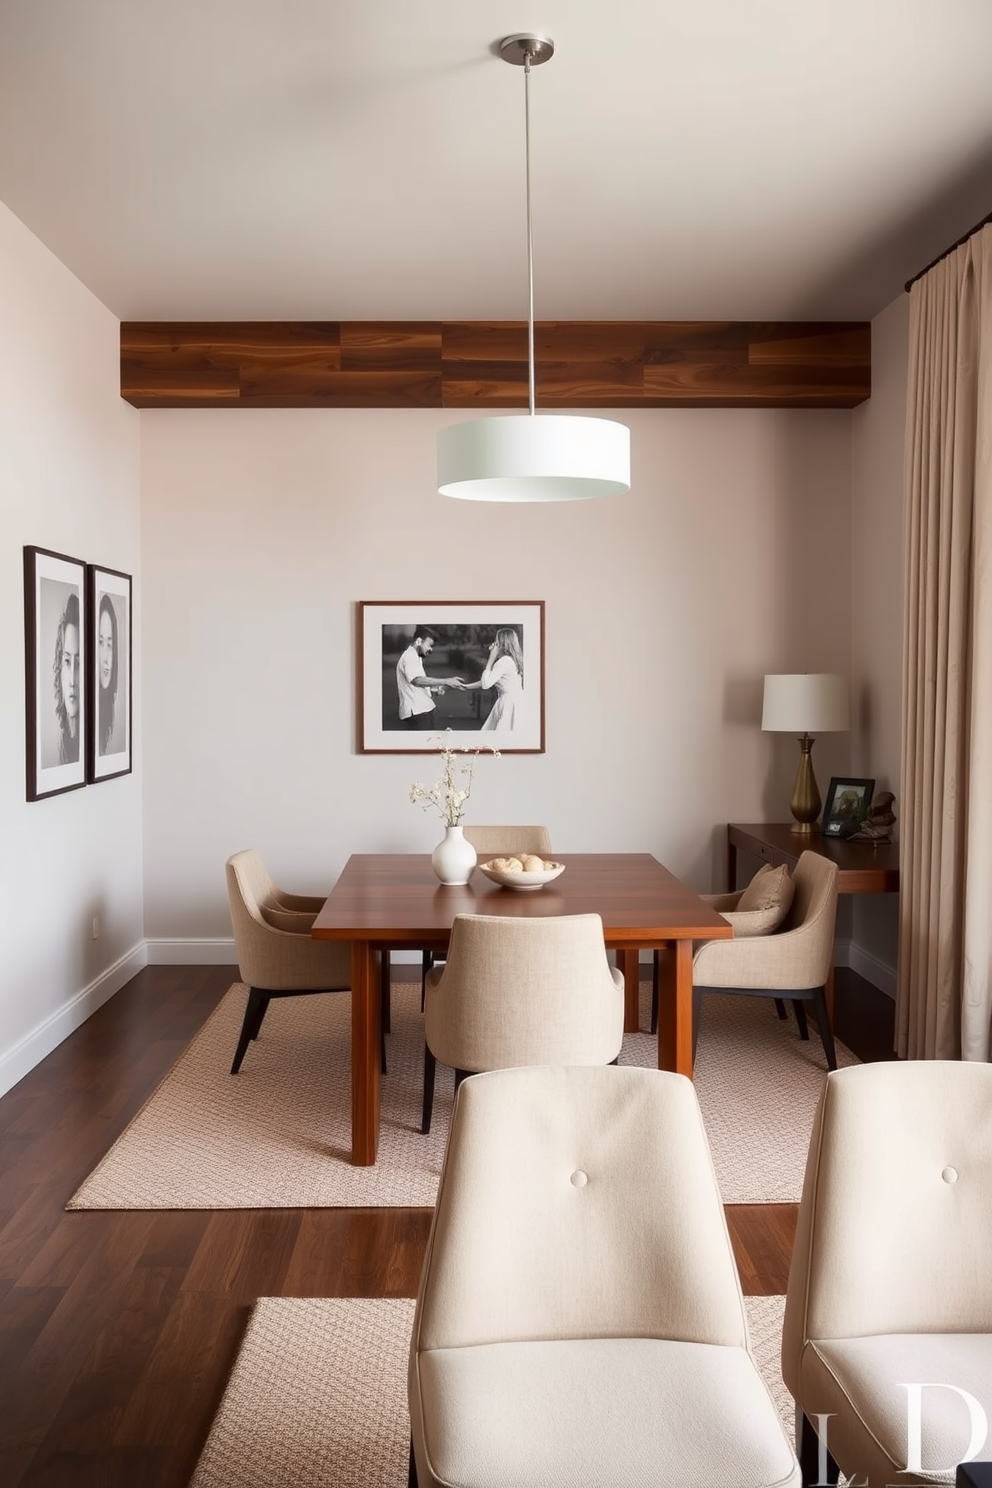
[[532, 456]]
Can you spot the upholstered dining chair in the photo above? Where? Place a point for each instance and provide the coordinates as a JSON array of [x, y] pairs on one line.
[[791, 964], [491, 842], [521, 991], [579, 1318], [277, 955], [887, 1339]]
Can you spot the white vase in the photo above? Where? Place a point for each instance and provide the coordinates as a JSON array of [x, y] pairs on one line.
[[454, 857]]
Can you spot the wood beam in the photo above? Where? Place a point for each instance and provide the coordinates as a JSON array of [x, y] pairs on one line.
[[483, 364]]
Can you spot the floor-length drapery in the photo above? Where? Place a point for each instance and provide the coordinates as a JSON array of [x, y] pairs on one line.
[[945, 922]]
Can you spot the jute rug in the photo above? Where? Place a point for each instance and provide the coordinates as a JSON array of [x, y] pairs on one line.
[[278, 1135], [317, 1396]]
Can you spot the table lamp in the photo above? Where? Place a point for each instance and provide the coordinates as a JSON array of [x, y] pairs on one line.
[[805, 703]]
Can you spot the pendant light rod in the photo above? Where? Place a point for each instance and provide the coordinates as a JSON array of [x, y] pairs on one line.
[[526, 50], [531, 384]]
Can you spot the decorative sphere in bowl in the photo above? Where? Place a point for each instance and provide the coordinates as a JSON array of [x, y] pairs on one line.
[[510, 873]]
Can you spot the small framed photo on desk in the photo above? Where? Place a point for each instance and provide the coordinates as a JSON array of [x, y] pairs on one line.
[[848, 803]]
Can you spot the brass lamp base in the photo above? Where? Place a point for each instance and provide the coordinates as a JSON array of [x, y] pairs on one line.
[[805, 801]]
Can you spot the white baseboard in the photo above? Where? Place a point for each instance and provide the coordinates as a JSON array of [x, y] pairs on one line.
[[32, 1049], [214, 951], [879, 973]]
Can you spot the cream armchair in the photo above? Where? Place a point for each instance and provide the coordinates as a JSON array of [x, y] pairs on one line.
[[887, 1342], [277, 955], [521, 991], [791, 964], [579, 1318]]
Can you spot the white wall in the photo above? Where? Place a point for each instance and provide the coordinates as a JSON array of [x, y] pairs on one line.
[[876, 608], [261, 530], [68, 481]]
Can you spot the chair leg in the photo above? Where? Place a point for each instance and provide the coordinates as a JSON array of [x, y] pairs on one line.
[[823, 1023], [801, 1018], [781, 1009], [411, 1477], [258, 1002], [430, 1066], [818, 1467]]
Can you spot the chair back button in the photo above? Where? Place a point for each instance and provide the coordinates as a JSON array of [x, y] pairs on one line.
[[950, 1175], [579, 1179]]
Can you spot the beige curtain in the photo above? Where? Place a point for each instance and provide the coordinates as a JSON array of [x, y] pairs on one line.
[[945, 915]]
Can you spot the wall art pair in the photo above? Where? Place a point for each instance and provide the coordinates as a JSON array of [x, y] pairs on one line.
[[77, 636]]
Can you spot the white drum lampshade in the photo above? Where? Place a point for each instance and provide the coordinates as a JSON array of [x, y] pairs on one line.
[[533, 457]]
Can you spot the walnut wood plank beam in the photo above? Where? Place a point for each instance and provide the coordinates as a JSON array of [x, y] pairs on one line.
[[483, 364]]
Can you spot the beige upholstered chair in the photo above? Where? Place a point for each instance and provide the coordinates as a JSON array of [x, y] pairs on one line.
[[521, 991], [791, 964], [277, 956], [494, 842], [888, 1315], [580, 1319]]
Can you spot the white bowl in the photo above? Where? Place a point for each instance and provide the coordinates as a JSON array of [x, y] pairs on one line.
[[518, 878]]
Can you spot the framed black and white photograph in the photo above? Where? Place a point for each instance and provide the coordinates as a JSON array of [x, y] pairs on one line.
[[475, 668], [848, 803], [54, 672], [108, 738]]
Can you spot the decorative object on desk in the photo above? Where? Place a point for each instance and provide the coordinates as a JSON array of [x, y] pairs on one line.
[[805, 703], [54, 672], [454, 857], [521, 873], [847, 806], [532, 457], [471, 668], [877, 825]]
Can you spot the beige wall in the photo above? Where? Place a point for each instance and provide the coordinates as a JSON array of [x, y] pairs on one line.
[[750, 542], [729, 558], [69, 482]]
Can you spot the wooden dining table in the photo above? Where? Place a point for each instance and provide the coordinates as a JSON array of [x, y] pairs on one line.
[[392, 901]]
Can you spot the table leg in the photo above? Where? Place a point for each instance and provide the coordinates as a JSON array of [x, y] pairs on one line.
[[629, 962], [366, 1039], [675, 1007]]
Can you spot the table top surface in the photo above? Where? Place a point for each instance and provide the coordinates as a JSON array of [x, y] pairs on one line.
[[391, 897], [846, 854]]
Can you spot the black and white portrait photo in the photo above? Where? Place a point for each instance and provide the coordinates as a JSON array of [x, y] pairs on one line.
[[55, 672], [109, 608], [475, 669]]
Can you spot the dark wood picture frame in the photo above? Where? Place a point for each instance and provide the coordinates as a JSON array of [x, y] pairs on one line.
[[55, 707], [848, 803], [508, 716], [109, 674]]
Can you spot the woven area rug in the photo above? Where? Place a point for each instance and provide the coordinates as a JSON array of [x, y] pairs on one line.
[[278, 1135], [317, 1396]]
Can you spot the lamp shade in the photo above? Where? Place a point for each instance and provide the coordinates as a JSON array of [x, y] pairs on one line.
[[805, 703], [533, 457]]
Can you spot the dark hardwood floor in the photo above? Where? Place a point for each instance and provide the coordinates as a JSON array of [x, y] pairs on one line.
[[118, 1330]]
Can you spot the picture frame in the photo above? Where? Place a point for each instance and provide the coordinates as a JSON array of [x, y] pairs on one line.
[[467, 645], [848, 803], [109, 674], [55, 655]]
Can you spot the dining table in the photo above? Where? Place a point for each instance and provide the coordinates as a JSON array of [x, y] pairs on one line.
[[393, 901]]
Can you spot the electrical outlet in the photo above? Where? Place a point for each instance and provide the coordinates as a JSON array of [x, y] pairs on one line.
[[96, 927]]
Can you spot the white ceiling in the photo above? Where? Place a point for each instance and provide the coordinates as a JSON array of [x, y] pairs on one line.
[[352, 159]]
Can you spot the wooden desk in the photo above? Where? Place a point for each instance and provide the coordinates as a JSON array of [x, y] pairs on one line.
[[393, 900], [862, 867]]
